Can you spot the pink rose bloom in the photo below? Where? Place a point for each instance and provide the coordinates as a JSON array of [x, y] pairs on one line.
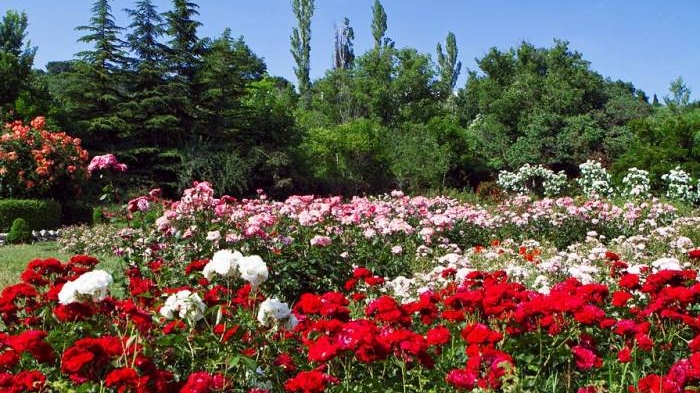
[[321, 241]]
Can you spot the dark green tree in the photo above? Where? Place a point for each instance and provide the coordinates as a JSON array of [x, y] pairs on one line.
[[97, 87], [344, 52], [16, 58], [147, 110], [448, 66], [301, 45], [184, 59]]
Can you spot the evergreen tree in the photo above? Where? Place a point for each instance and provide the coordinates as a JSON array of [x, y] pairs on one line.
[[344, 53], [301, 45], [97, 87], [448, 65], [184, 61], [147, 111], [16, 58]]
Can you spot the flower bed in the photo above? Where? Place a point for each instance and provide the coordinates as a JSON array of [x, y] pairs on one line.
[[209, 300]]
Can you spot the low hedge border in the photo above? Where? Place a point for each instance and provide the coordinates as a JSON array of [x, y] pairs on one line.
[[38, 214]]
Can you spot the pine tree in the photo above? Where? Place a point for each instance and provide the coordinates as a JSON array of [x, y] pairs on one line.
[[147, 111], [97, 87], [448, 65], [184, 61], [344, 53], [301, 45]]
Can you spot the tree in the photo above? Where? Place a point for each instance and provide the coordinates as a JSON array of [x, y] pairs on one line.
[[448, 65], [301, 45], [146, 29], [97, 87], [378, 24], [546, 106], [344, 53], [680, 94], [16, 58], [184, 61]]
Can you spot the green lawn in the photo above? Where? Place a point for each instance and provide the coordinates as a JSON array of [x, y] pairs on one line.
[[14, 258]]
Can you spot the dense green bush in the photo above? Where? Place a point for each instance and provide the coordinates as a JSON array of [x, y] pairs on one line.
[[19, 232], [75, 213], [38, 214]]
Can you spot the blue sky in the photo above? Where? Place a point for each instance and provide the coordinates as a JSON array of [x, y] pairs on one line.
[[648, 43]]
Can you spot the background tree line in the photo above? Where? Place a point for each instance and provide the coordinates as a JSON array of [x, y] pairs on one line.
[[176, 107]]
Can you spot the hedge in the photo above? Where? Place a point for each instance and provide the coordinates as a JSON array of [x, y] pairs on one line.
[[38, 214]]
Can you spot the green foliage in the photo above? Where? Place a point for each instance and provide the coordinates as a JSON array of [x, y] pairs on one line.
[[76, 212], [38, 214], [301, 44], [448, 65], [546, 106], [16, 57], [667, 139], [20, 232], [348, 158], [418, 160]]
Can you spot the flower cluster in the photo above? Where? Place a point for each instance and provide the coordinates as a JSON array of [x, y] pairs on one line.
[[528, 178], [36, 162], [594, 180], [635, 184], [680, 186], [106, 162], [92, 285]]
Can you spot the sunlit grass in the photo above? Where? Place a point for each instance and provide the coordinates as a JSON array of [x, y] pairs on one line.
[[14, 258]]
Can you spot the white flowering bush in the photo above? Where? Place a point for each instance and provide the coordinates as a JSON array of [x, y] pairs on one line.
[[636, 184], [594, 180], [680, 186], [92, 285], [253, 270], [526, 178]]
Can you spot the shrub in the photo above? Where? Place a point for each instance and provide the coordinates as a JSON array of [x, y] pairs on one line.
[[76, 212], [35, 162], [19, 232], [38, 214]]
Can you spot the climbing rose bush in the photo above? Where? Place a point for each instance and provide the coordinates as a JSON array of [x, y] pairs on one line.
[[36, 162]]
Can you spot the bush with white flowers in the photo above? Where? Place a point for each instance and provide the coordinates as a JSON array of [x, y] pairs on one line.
[[253, 269], [92, 285], [525, 179], [636, 184], [680, 185], [185, 304], [594, 180]]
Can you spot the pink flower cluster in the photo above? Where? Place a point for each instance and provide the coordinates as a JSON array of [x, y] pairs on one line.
[[106, 162]]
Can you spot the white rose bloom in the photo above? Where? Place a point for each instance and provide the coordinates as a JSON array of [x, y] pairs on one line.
[[667, 264], [93, 284], [271, 310], [223, 263], [253, 269], [186, 304]]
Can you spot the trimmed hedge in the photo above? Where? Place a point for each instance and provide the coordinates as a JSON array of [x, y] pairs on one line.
[[38, 214]]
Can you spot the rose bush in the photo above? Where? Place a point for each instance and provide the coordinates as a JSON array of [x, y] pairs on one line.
[[36, 162], [209, 299]]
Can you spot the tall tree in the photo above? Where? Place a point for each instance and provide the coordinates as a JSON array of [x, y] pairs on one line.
[[98, 86], [344, 52], [146, 28], [147, 110], [378, 24], [448, 65], [184, 59], [301, 45], [680, 94], [16, 57]]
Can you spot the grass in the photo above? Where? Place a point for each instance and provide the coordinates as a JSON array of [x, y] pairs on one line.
[[14, 258]]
